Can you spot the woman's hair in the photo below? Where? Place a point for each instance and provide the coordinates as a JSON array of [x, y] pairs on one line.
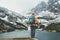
[[33, 14]]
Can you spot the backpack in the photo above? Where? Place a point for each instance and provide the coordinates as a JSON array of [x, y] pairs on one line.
[[32, 20]]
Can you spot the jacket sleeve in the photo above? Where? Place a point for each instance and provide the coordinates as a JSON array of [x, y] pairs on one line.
[[27, 20], [37, 20]]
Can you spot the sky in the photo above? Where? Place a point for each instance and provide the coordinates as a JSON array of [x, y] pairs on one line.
[[19, 6]]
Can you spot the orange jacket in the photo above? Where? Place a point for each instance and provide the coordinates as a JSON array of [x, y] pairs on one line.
[[36, 20]]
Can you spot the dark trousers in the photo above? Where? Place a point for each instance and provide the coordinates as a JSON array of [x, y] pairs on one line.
[[32, 32]]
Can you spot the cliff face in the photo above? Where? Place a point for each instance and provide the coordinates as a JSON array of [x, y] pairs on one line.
[[54, 26], [8, 20], [39, 7]]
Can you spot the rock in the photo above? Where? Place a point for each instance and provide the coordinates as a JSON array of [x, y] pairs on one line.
[[18, 39], [53, 30]]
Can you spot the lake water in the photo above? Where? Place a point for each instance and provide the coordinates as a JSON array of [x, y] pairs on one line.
[[40, 35]]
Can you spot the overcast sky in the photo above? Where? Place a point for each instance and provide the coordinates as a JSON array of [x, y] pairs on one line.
[[19, 5]]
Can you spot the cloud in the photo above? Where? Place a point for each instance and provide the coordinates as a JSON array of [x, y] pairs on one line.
[[19, 5]]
